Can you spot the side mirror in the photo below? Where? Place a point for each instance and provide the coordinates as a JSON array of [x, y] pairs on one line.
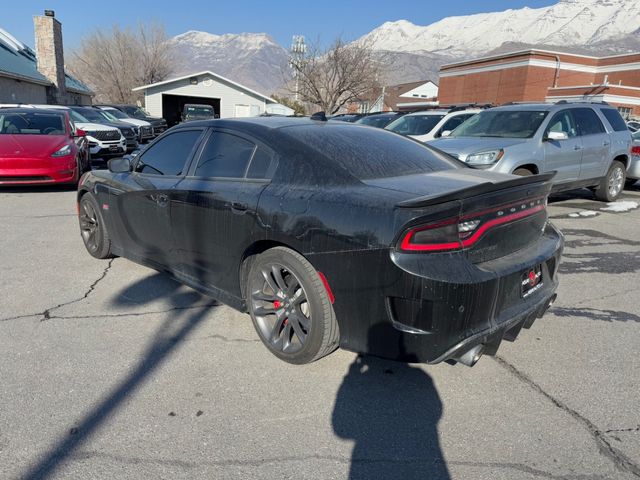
[[446, 133], [557, 136], [119, 165], [80, 133]]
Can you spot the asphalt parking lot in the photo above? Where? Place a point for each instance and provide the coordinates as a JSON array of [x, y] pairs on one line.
[[111, 370]]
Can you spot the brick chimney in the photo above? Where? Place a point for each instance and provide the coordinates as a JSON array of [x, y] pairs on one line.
[[49, 53]]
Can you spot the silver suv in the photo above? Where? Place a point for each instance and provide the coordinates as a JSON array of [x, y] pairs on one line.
[[587, 144]]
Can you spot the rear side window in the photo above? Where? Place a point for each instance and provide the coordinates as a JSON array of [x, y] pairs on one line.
[[262, 164], [169, 154], [453, 122], [614, 119], [369, 153], [587, 121], [225, 155]]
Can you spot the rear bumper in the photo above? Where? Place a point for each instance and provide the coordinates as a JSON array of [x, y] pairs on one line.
[[633, 171], [435, 307]]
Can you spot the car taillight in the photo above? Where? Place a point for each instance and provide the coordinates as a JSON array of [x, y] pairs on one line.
[[465, 231], [635, 150]]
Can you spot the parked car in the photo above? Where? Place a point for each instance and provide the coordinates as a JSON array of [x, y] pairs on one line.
[[194, 111], [39, 146], [633, 125], [145, 130], [633, 170], [379, 119], [104, 141], [95, 115], [430, 124], [587, 144], [333, 235], [133, 111]]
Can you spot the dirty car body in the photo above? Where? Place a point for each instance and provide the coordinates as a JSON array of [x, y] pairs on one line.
[[425, 259]]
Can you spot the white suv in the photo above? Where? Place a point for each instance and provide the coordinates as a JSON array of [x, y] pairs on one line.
[[144, 128], [430, 124]]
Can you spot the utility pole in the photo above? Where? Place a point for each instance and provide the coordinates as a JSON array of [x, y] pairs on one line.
[[297, 51]]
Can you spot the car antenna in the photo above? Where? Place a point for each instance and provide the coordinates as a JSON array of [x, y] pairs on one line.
[[320, 116]]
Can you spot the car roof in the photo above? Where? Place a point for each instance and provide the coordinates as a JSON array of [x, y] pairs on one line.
[[544, 106], [30, 110]]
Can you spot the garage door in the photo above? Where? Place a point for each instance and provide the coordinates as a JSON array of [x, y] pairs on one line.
[[243, 111]]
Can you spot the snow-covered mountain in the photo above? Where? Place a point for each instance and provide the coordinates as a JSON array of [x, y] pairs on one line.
[[415, 52], [568, 22], [253, 59]]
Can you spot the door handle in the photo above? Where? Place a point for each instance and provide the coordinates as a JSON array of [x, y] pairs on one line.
[[606, 144], [577, 147], [239, 207]]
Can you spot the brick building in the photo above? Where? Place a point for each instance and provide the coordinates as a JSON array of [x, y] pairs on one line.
[[540, 75]]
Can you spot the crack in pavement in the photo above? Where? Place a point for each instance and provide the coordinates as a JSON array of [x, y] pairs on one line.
[[46, 314], [185, 464], [621, 430], [619, 459]]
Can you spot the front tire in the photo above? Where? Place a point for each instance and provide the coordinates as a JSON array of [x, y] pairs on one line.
[[612, 183], [290, 307], [93, 229]]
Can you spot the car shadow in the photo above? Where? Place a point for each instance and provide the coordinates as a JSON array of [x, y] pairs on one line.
[[391, 411], [171, 333]]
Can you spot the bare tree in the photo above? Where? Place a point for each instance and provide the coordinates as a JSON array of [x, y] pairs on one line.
[[336, 76], [115, 61]]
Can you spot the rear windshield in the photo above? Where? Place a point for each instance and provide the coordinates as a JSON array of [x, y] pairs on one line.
[[32, 123], [615, 119], [502, 124], [379, 121], [636, 135], [369, 153], [199, 111], [414, 124]]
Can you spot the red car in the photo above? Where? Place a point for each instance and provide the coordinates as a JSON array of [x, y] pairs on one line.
[[39, 146]]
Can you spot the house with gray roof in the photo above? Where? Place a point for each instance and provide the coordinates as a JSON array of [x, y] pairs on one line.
[[38, 77]]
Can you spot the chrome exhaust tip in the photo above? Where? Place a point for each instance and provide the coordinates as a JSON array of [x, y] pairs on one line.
[[552, 300], [471, 356]]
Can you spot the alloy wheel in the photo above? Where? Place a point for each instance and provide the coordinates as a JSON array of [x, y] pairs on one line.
[[616, 182], [89, 226], [281, 308]]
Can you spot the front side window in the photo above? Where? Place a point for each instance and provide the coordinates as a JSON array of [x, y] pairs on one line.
[[169, 155], [587, 121], [562, 122], [502, 124], [225, 155], [414, 124]]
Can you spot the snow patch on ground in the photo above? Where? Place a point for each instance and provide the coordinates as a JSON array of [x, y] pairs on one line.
[[620, 206], [584, 213]]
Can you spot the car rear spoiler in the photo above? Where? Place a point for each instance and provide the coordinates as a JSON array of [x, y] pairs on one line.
[[474, 190]]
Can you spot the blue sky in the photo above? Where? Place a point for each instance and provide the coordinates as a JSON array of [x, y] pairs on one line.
[[324, 19]]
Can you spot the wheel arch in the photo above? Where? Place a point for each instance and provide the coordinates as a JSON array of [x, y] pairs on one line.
[[622, 158], [250, 254], [532, 167]]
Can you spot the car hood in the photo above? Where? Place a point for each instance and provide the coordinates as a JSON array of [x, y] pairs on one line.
[[135, 121], [460, 147], [93, 127], [34, 146], [438, 182]]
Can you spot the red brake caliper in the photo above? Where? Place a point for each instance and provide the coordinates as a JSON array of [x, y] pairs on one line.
[[276, 305]]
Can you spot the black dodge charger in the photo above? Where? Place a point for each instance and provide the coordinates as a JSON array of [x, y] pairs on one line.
[[332, 235]]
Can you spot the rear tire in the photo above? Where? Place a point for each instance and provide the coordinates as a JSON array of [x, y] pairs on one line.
[[523, 172], [290, 307], [612, 184], [93, 229]]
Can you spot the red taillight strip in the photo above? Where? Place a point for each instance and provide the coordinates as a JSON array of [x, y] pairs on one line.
[[407, 245], [499, 221]]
